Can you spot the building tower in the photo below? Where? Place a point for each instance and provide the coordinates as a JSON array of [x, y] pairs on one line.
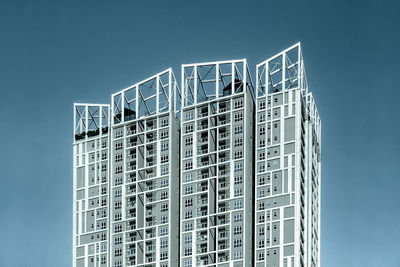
[[91, 185], [288, 168], [144, 214], [216, 174], [216, 167]]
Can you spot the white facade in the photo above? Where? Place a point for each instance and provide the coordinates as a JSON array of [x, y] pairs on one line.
[[214, 173]]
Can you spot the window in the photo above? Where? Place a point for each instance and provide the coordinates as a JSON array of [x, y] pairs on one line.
[[237, 243], [238, 154], [238, 205], [188, 190], [164, 135], [118, 240], [188, 153], [237, 254], [237, 230], [103, 167], [118, 252], [188, 251], [237, 217], [261, 218], [163, 255], [188, 214], [164, 183], [188, 177], [164, 207], [117, 217], [261, 168], [262, 117], [238, 192], [118, 169], [238, 129], [189, 115], [238, 166], [187, 239], [188, 128], [262, 130], [164, 146], [238, 179], [164, 219], [188, 165], [187, 263], [261, 231], [164, 122], [238, 117], [163, 231], [262, 142], [118, 205], [262, 105], [238, 142], [188, 226], [238, 103], [118, 263], [118, 228], [164, 194], [261, 155], [164, 170], [188, 202], [119, 133], [261, 193], [118, 193], [189, 141], [260, 256], [164, 158], [163, 243], [118, 145]]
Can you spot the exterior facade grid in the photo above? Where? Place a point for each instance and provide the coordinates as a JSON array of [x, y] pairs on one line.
[[216, 172]]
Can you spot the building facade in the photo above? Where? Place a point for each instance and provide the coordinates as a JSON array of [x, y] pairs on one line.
[[288, 168], [214, 172]]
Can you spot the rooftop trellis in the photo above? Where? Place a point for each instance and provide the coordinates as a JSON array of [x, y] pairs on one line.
[[154, 95], [90, 120], [207, 81], [284, 71]]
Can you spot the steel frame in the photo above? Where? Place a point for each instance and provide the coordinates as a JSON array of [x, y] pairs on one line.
[[283, 71], [90, 117], [202, 82], [156, 94]]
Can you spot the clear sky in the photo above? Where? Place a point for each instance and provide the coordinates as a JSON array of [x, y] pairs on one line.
[[53, 53]]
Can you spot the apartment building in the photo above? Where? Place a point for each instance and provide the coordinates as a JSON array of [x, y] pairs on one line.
[[215, 172], [288, 167], [216, 168]]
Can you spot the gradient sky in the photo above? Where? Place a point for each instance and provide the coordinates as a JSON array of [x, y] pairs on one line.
[[53, 53]]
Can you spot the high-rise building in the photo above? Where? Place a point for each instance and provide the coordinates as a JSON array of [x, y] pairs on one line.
[[288, 168], [215, 172], [216, 168]]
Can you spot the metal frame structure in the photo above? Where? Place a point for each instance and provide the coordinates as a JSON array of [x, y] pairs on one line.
[[202, 82], [150, 96], [283, 71], [90, 117]]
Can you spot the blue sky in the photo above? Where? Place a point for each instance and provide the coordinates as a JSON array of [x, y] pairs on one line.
[[53, 53]]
